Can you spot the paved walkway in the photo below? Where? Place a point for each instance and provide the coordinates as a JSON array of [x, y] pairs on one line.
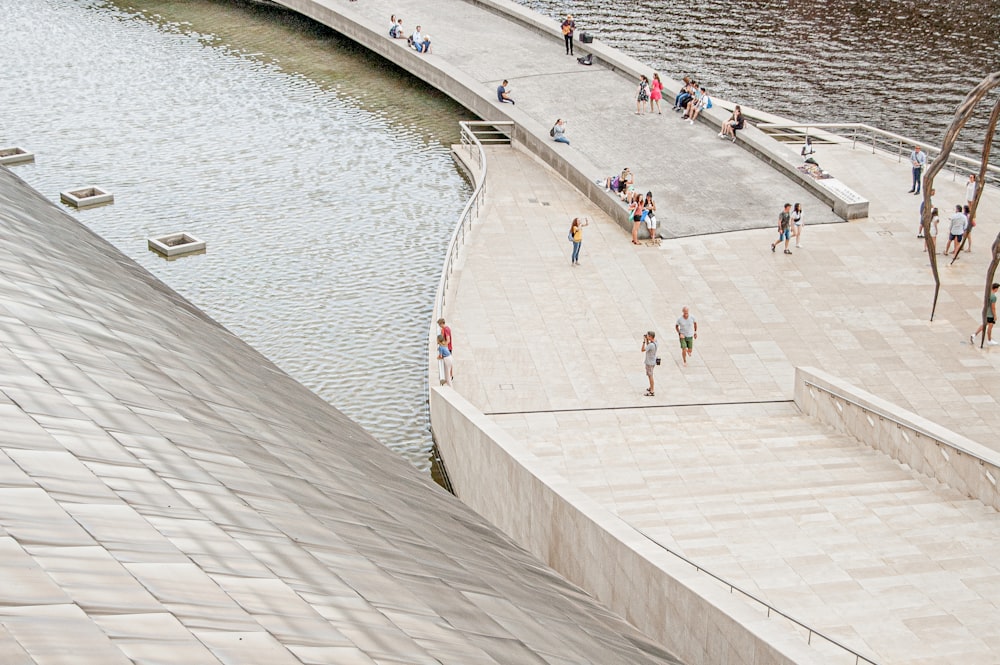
[[824, 528], [702, 184]]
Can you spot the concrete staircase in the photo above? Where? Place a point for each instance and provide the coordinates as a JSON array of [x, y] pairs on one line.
[[816, 524]]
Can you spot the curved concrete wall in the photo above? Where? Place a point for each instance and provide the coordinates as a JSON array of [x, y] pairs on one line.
[[684, 610]]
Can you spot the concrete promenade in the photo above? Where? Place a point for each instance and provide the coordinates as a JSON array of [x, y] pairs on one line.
[[891, 563], [702, 184]]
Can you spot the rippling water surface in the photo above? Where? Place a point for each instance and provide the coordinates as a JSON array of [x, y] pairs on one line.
[[319, 176], [903, 65]]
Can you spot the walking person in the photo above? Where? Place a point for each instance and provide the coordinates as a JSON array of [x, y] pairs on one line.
[[642, 96], [649, 360], [576, 235], [797, 224], [568, 26], [687, 331], [444, 355], [991, 318], [784, 230], [917, 160], [655, 93]]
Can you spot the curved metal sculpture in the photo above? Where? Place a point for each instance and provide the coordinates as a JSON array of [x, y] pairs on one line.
[[962, 115]]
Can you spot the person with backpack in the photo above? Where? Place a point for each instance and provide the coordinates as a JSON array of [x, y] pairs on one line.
[[558, 132], [703, 101], [576, 237]]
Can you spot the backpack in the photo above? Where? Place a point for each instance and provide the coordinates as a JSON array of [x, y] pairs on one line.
[[708, 103], [552, 132]]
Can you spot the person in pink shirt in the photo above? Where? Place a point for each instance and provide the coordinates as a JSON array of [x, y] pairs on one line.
[[656, 93]]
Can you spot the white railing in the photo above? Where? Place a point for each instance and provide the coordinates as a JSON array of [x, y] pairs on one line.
[[473, 135], [878, 139]]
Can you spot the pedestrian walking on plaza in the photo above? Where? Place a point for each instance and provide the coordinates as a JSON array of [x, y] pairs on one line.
[[568, 26], [444, 355], [576, 235], [642, 96], [958, 224], [655, 93], [917, 160], [558, 131], [687, 331], [784, 227], [649, 360], [797, 224], [970, 190], [991, 318]]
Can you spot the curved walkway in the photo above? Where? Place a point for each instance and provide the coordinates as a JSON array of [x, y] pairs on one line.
[[702, 184]]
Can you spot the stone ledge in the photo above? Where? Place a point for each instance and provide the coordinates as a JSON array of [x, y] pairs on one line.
[[906, 437]]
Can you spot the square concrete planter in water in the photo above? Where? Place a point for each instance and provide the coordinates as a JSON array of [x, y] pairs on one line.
[[176, 244], [86, 197], [9, 156]]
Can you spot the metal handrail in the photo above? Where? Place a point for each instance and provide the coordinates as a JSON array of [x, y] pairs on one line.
[[880, 139], [469, 214], [858, 658]]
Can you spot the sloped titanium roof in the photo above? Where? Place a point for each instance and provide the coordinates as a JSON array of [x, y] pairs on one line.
[[167, 495]]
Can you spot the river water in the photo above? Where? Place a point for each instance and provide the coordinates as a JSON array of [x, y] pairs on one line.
[[902, 65], [319, 176]]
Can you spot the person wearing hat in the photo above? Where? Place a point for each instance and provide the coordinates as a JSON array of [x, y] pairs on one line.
[[568, 26]]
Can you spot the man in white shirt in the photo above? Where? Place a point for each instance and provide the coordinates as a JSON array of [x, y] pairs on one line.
[[687, 330], [959, 223]]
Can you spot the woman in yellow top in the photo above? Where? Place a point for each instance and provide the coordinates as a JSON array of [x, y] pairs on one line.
[[576, 235]]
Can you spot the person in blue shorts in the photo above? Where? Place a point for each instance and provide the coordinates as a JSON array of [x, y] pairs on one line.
[[784, 228]]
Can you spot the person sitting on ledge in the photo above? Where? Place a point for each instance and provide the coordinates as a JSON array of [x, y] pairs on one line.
[[420, 41], [731, 126], [685, 95], [503, 94], [396, 29]]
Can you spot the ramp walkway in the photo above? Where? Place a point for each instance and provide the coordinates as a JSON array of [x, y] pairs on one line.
[[701, 183]]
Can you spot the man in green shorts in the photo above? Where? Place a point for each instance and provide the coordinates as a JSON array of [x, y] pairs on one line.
[[687, 330]]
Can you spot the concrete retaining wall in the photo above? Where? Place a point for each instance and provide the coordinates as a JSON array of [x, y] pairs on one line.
[[684, 610], [904, 436]]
